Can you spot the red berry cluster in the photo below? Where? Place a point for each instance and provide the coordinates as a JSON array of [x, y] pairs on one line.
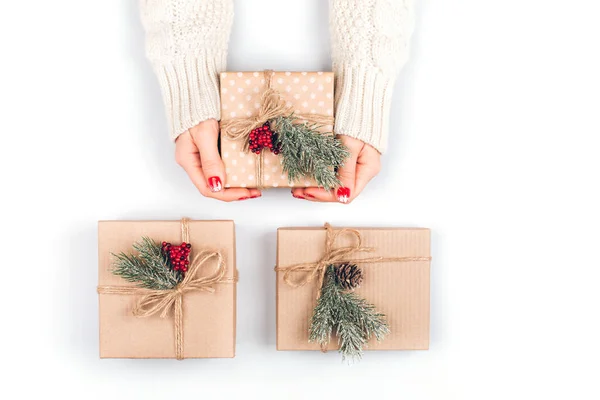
[[263, 137], [178, 255]]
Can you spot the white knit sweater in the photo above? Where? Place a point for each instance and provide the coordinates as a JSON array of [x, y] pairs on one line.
[[187, 45]]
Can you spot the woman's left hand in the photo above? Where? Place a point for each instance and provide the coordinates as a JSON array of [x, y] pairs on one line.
[[362, 166]]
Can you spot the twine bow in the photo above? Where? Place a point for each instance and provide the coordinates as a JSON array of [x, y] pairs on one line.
[[272, 106], [154, 302], [316, 270]]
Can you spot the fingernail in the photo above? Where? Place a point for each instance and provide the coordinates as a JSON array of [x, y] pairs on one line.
[[243, 198], [343, 195], [256, 196], [298, 197], [309, 195], [214, 182]]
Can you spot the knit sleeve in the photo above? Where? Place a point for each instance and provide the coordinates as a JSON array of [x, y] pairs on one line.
[[186, 42], [369, 46]]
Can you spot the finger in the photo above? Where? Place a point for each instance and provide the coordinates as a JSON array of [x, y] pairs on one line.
[[301, 193], [343, 194], [206, 138], [253, 193], [298, 193], [236, 194], [364, 175], [232, 194], [319, 194], [188, 157], [191, 166], [365, 172], [347, 175]]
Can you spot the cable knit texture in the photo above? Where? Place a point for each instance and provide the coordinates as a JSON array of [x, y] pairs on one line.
[[369, 41], [186, 41], [187, 44]]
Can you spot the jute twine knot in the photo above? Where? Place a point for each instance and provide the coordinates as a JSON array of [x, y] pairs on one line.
[[340, 255], [272, 105], [154, 302]]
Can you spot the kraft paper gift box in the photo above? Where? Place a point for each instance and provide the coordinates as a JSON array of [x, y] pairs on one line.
[[400, 290], [209, 319], [309, 93]]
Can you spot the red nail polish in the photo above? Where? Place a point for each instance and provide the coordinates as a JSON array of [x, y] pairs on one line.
[[214, 182], [243, 198], [309, 195], [343, 195], [298, 197], [256, 196]]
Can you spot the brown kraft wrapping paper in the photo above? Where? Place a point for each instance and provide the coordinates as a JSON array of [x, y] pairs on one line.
[[306, 92], [209, 319], [400, 290]]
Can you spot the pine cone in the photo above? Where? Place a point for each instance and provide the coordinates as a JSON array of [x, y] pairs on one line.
[[348, 276]]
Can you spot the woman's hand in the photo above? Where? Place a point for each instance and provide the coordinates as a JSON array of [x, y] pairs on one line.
[[197, 152], [362, 166]]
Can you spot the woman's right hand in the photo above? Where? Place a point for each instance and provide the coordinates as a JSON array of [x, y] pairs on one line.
[[197, 152]]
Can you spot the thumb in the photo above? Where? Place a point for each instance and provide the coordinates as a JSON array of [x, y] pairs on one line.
[[206, 138], [347, 176]]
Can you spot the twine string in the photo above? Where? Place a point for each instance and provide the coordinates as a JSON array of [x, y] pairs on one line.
[[185, 230], [315, 271], [259, 170], [272, 105], [161, 302]]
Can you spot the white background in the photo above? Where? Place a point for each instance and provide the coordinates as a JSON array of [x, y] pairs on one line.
[[494, 146]]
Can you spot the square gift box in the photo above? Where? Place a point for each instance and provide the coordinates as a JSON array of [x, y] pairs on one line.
[[305, 93], [399, 289], [208, 320]]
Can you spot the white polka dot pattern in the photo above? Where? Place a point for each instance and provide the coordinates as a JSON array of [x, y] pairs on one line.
[[308, 92]]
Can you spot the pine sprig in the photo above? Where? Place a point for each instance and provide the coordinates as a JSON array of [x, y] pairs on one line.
[[355, 321], [324, 315], [308, 153], [149, 268], [351, 339], [366, 317]]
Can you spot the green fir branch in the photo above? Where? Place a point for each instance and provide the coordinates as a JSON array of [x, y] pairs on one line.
[[149, 268], [351, 339], [308, 153], [325, 312], [365, 316], [355, 321]]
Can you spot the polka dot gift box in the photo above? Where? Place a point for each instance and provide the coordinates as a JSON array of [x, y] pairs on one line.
[[271, 122]]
